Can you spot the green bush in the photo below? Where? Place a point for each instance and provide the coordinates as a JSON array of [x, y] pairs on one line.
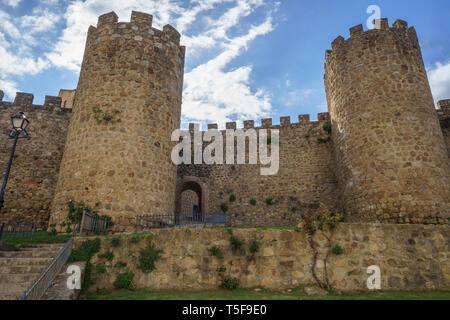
[[254, 246], [269, 201], [100, 268], [224, 208], [115, 242], [124, 281], [253, 202], [134, 239], [216, 252], [108, 255], [232, 198], [324, 140], [229, 283], [148, 258], [235, 244], [120, 264], [86, 251], [327, 127], [337, 250]]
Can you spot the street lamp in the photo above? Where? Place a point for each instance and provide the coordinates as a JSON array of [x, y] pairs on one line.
[[19, 124]]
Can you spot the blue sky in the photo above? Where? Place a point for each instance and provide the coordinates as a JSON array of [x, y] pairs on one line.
[[246, 59]]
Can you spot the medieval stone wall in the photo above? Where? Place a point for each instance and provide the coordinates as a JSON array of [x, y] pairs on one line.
[[391, 159], [127, 103], [444, 118], [305, 177], [34, 171], [410, 257]]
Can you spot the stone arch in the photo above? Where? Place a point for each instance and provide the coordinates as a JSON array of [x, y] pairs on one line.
[[194, 184]]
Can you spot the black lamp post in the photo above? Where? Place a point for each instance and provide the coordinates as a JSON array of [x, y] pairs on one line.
[[19, 124]]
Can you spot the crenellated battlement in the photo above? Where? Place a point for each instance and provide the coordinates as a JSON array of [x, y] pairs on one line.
[[399, 32], [138, 29], [444, 108], [25, 101], [285, 122]]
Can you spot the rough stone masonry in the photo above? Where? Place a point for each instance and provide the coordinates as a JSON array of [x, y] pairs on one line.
[[386, 159]]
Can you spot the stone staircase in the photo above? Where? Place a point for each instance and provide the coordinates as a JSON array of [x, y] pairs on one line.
[[20, 269]]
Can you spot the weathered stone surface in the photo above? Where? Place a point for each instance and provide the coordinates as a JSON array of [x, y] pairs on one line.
[[187, 263]]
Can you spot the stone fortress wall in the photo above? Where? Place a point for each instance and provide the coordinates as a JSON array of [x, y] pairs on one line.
[[391, 159], [305, 178], [118, 157], [126, 167], [34, 171]]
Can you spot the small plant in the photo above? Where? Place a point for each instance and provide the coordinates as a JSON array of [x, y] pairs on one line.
[[100, 268], [269, 201], [229, 283], [254, 246], [101, 115], [120, 264], [115, 242], [68, 229], [134, 239], [337, 250], [35, 157], [108, 255], [224, 208], [324, 140], [216, 252], [188, 232], [220, 194], [148, 258], [235, 243], [232, 198], [253, 202], [98, 204], [53, 229], [124, 281], [327, 127], [269, 140]]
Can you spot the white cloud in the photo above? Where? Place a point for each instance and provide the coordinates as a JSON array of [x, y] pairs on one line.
[[9, 88], [215, 95], [294, 97], [212, 93], [12, 3], [439, 77]]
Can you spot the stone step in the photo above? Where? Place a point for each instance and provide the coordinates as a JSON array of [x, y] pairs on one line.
[[25, 261], [22, 269], [18, 277], [11, 295], [35, 253], [15, 287]]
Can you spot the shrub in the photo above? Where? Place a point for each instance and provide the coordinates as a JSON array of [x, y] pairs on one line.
[[232, 198], [148, 258], [254, 246], [337, 250], [327, 127], [322, 140], [100, 268], [229, 283], [235, 243], [124, 281], [253, 202], [120, 264], [269, 201], [86, 251], [224, 208], [53, 229], [134, 239], [108, 255], [115, 242], [215, 252]]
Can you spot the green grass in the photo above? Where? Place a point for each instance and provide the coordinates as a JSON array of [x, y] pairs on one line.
[[263, 294], [41, 237], [258, 228]]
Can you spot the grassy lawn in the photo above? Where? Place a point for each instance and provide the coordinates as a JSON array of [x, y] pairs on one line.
[[40, 237], [251, 294]]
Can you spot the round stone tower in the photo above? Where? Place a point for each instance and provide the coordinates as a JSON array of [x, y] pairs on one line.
[[392, 163], [128, 102]]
